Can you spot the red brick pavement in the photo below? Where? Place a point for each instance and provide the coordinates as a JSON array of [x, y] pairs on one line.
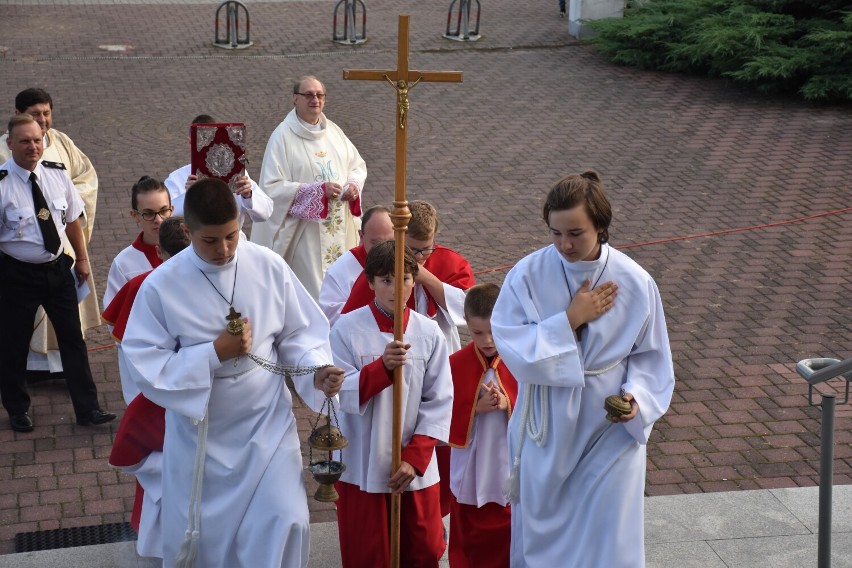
[[680, 156]]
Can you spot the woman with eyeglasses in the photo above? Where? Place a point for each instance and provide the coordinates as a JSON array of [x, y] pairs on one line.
[[150, 203]]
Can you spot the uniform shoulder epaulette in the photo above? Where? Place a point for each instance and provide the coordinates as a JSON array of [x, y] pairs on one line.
[[54, 165], [3, 173]]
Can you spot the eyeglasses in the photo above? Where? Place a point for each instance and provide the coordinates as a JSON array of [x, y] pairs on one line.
[[310, 96], [423, 252], [149, 215]]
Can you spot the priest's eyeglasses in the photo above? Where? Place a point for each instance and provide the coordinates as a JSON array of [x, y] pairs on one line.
[[149, 215], [424, 252], [310, 96]]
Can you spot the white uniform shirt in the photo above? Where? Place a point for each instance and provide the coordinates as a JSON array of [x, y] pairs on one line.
[[20, 234]]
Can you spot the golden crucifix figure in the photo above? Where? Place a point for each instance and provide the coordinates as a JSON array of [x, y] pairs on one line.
[[403, 80], [402, 102]]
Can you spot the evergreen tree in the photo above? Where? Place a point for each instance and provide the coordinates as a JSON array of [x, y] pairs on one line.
[[802, 46]]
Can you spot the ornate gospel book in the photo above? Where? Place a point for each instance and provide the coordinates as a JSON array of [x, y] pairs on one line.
[[218, 151]]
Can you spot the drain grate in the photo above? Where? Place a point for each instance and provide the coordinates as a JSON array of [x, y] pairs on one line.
[[71, 537]]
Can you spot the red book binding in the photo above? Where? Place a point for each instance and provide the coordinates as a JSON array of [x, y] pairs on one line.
[[218, 151]]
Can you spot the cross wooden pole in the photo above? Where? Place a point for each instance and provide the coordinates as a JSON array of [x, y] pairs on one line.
[[403, 80]]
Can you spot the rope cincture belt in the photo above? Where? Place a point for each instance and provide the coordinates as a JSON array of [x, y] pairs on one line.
[[188, 553], [538, 433]]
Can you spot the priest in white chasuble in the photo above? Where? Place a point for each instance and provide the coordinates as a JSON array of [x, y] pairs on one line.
[[241, 501], [575, 323], [315, 176]]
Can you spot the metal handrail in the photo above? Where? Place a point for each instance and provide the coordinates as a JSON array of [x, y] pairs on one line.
[[816, 371], [819, 370]]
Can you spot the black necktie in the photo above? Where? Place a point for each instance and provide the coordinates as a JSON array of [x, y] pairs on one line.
[[48, 228]]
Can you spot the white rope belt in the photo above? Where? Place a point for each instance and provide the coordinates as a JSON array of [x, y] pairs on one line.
[[188, 552], [537, 432], [189, 547]]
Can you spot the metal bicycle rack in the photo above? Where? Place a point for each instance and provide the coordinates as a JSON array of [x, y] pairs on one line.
[[350, 35], [231, 38], [462, 31], [817, 371]]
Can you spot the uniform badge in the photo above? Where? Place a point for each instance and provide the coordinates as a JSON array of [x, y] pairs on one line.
[[43, 214]]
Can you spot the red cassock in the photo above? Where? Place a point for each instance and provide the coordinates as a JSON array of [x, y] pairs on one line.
[[446, 264], [479, 536], [143, 426], [141, 431]]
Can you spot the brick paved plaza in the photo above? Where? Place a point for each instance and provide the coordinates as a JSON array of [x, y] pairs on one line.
[[680, 156]]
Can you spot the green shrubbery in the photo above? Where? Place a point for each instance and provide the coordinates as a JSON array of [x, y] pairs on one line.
[[802, 46]]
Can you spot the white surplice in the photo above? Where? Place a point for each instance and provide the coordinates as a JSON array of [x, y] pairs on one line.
[[337, 285], [295, 155], [254, 509], [258, 207], [581, 494], [129, 263], [427, 397]]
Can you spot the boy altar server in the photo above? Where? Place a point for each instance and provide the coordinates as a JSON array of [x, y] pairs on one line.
[[441, 281], [440, 284], [483, 398], [364, 347], [235, 417]]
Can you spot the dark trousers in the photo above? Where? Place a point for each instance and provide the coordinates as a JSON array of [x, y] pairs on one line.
[[23, 288]]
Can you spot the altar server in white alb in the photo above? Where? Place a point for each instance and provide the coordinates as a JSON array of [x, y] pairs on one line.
[[578, 474], [241, 501], [315, 176], [376, 228], [150, 205], [252, 202]]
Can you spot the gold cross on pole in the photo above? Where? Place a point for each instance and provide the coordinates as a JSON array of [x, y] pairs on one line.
[[402, 79]]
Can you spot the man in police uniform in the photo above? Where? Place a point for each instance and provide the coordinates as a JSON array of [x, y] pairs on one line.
[[37, 201]]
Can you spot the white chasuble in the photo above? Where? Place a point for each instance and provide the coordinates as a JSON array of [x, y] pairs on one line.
[[581, 486], [253, 505], [296, 155]]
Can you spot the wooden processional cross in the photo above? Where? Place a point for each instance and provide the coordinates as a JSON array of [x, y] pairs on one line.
[[402, 79]]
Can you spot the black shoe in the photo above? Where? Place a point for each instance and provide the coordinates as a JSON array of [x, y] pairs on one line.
[[95, 417], [21, 422]]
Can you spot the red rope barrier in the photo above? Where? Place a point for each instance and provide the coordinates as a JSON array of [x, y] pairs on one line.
[[703, 235]]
